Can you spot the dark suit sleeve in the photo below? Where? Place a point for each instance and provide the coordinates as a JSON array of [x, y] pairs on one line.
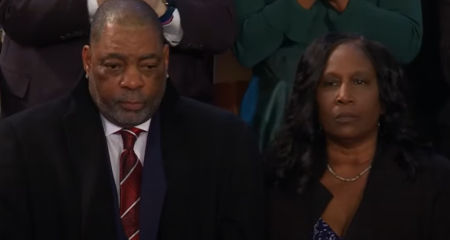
[[42, 22], [444, 22], [242, 216], [14, 214], [208, 26]]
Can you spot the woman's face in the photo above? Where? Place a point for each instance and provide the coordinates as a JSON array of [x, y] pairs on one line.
[[347, 95]]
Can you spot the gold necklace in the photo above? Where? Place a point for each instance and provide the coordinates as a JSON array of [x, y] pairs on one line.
[[348, 179]]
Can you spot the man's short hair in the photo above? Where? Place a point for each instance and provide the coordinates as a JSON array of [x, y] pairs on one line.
[[133, 13]]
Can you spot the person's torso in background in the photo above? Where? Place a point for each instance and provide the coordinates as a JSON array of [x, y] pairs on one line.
[[282, 63], [40, 74]]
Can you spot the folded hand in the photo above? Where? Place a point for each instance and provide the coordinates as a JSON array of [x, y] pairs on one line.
[[100, 2], [158, 5], [339, 5], [307, 4]]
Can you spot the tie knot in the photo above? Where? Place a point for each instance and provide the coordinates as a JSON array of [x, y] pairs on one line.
[[129, 136]]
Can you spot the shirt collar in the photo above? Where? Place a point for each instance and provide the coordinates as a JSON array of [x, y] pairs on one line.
[[111, 128]]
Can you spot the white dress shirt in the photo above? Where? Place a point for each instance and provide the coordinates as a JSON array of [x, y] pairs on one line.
[[115, 146], [173, 32]]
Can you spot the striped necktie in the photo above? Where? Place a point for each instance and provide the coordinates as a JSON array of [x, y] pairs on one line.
[[130, 183]]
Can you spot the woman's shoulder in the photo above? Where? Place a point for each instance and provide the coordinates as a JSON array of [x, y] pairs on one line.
[[434, 163], [435, 168]]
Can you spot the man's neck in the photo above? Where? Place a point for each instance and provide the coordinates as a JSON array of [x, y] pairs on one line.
[[111, 128]]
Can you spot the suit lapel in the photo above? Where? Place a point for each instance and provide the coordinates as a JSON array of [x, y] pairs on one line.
[[153, 183], [89, 156]]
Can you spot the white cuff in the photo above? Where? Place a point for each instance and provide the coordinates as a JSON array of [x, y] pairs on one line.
[[92, 8], [173, 32]]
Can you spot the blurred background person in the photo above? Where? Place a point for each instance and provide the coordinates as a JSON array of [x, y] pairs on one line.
[[428, 88], [1, 43], [40, 60], [347, 163], [274, 33], [40, 57], [444, 117]]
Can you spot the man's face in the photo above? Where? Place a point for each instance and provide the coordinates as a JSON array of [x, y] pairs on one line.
[[127, 68]]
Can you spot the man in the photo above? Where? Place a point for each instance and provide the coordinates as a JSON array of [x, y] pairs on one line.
[[112, 162], [40, 61]]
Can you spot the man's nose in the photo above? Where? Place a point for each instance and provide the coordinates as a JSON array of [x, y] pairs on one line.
[[132, 79]]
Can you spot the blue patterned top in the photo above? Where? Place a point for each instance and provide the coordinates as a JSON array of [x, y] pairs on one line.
[[323, 232]]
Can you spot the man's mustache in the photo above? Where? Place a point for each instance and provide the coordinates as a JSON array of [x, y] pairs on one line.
[[131, 96]]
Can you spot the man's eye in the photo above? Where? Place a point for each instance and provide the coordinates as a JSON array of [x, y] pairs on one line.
[[112, 66], [150, 67]]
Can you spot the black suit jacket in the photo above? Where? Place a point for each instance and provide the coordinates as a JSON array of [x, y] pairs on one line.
[[392, 207], [55, 179], [41, 56]]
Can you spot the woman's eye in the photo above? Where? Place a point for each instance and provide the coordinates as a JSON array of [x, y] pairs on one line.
[[331, 83], [360, 82]]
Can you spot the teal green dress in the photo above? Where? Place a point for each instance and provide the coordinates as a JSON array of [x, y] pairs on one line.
[[274, 34]]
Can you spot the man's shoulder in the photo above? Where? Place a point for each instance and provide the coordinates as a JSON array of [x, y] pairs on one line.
[[207, 116], [39, 117], [217, 131]]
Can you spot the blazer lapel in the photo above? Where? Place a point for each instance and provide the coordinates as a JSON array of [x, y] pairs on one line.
[[89, 156], [384, 175], [153, 183], [292, 215], [289, 217]]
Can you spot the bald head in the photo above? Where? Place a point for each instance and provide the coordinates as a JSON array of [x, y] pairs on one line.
[[126, 13]]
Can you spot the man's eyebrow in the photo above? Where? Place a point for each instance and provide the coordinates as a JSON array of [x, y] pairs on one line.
[[123, 58], [149, 56], [114, 55]]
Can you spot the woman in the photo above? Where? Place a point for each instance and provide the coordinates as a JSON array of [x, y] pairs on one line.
[[274, 34], [347, 164]]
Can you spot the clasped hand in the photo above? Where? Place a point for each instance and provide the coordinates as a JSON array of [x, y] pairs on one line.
[[339, 5]]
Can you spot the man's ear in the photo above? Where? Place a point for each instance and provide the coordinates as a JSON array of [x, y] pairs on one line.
[[166, 53], [86, 56]]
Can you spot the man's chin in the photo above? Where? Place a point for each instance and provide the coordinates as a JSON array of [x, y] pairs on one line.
[[127, 118], [130, 118]]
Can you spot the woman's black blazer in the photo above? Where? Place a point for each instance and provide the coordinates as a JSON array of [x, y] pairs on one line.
[[394, 207]]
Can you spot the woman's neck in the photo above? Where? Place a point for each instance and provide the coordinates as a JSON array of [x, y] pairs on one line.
[[355, 154]]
